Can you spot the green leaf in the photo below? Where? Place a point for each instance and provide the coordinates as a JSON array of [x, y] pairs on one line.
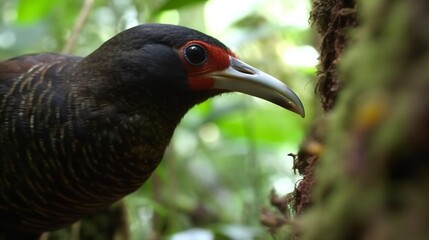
[[174, 4], [31, 11], [269, 124]]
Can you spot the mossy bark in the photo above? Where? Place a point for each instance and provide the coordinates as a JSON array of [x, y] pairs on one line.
[[365, 163], [372, 179]]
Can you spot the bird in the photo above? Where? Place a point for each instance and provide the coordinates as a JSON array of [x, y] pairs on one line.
[[79, 133]]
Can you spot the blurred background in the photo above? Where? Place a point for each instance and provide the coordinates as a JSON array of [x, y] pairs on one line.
[[227, 153]]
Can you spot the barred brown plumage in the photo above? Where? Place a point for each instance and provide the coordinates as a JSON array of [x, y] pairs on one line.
[[78, 134]]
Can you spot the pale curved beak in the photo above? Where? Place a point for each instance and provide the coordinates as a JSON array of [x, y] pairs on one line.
[[241, 77]]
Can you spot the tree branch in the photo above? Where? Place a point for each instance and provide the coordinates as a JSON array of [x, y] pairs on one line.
[[80, 21]]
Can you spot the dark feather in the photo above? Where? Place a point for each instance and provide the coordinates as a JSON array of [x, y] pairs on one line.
[[78, 134]]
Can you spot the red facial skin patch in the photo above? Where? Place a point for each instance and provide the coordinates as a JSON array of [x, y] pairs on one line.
[[217, 60]]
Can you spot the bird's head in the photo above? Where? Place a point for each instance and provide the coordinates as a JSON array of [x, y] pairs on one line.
[[178, 65]]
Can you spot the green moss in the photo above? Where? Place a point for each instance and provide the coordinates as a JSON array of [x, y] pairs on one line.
[[356, 182]]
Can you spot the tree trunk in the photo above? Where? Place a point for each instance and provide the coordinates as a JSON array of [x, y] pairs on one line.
[[369, 175]]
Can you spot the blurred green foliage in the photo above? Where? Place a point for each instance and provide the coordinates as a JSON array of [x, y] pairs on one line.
[[228, 152]]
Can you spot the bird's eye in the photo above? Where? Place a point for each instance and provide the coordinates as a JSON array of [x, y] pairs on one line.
[[195, 54]]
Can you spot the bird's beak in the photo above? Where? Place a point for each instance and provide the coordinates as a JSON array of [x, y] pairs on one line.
[[241, 77]]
